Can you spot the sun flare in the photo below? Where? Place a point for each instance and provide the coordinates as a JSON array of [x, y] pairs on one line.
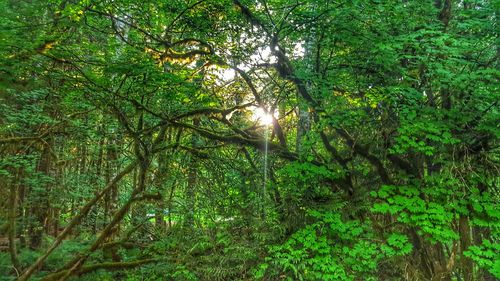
[[259, 115]]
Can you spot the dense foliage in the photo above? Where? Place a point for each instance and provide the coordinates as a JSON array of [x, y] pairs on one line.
[[249, 140]]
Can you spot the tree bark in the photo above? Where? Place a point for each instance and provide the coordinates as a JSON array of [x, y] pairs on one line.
[[12, 227], [465, 243], [192, 179], [40, 204]]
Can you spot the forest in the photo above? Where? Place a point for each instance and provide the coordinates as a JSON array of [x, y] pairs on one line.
[[212, 140]]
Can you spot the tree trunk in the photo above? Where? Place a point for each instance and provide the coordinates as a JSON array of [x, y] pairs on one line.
[[159, 178], [304, 116], [192, 179], [465, 243], [12, 226], [40, 200]]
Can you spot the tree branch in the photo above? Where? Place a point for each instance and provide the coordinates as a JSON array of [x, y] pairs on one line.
[[94, 267]]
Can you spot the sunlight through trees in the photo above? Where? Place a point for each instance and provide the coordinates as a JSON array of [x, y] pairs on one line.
[[249, 140]]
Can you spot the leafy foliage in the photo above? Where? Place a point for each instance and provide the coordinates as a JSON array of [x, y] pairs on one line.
[[133, 147], [332, 249]]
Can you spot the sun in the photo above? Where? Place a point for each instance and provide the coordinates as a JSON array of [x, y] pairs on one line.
[[259, 115]]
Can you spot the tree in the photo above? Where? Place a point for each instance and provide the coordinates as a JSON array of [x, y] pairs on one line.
[[381, 163]]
